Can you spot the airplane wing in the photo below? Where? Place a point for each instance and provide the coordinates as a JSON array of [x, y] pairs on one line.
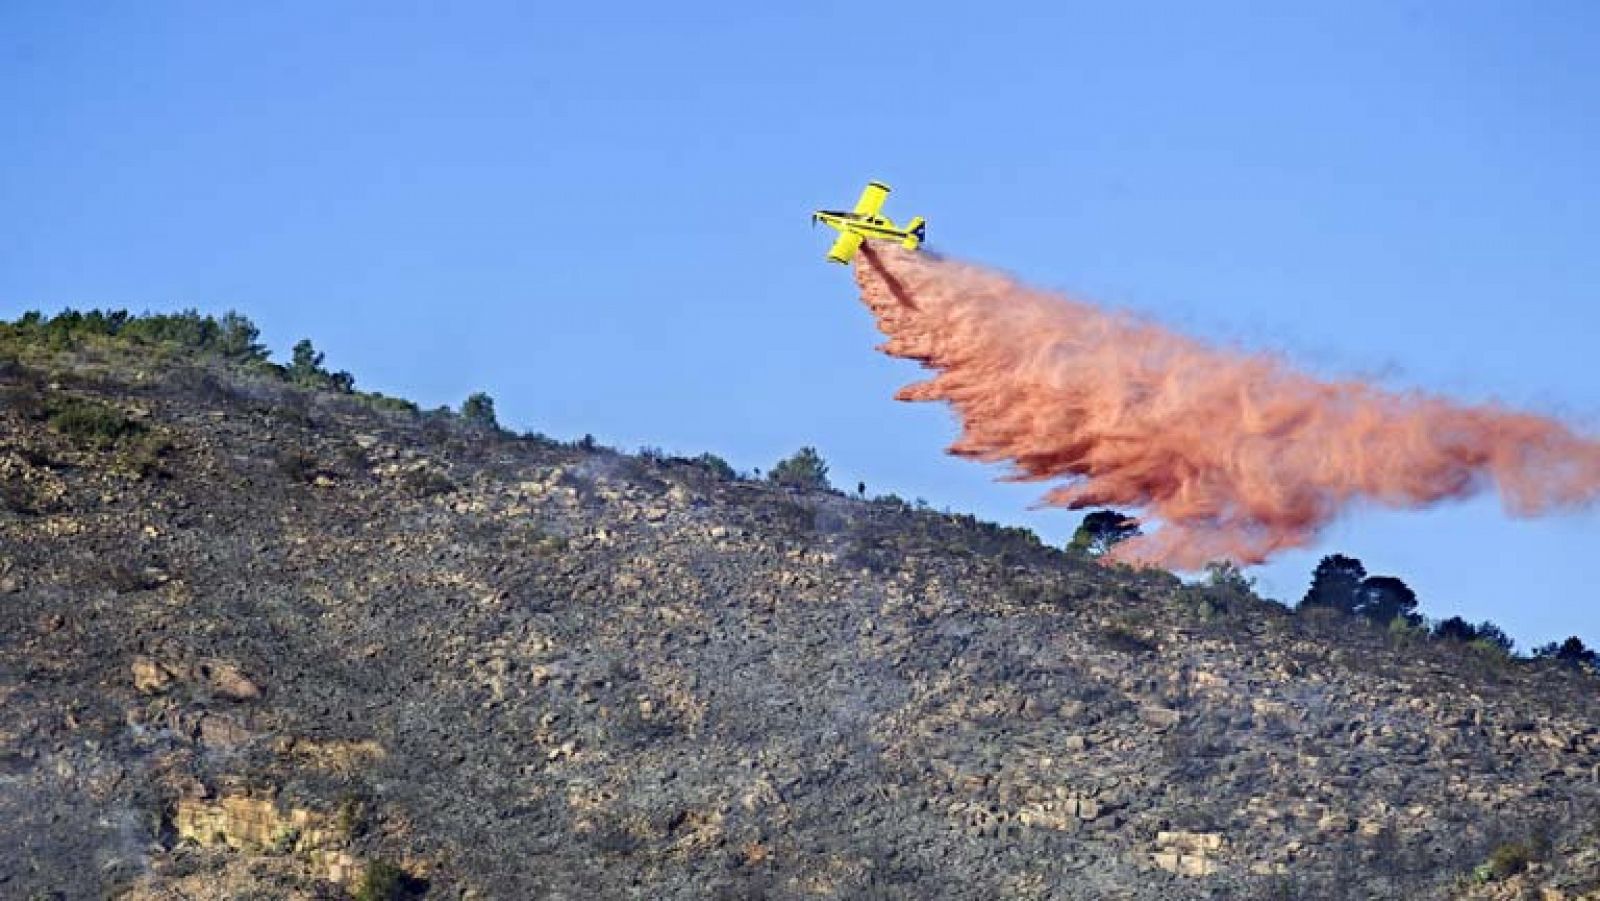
[[844, 248], [871, 202]]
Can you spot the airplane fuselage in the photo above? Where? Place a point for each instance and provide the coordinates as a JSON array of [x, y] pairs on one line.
[[866, 226]]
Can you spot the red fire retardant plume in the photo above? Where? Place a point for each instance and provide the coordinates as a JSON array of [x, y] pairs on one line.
[[1236, 455]]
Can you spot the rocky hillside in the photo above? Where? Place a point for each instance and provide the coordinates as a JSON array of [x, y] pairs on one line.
[[263, 641]]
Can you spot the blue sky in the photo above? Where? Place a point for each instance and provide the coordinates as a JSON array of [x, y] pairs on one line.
[[599, 214]]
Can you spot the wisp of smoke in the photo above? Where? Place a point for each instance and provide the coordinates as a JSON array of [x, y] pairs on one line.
[[1236, 455]]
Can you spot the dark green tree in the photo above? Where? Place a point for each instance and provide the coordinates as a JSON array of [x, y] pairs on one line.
[[1492, 634], [341, 381], [1485, 634], [805, 470], [1102, 530], [233, 337], [305, 369], [305, 363], [716, 466], [1336, 583], [478, 410], [238, 338], [1382, 598], [1454, 629], [1571, 652]]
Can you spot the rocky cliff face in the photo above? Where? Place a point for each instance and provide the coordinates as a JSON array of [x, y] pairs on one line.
[[261, 642]]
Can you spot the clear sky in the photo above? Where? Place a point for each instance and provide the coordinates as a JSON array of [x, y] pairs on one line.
[[597, 212]]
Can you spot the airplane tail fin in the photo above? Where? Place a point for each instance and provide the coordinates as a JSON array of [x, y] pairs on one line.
[[917, 232]]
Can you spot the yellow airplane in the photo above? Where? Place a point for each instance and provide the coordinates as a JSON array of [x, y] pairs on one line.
[[864, 222]]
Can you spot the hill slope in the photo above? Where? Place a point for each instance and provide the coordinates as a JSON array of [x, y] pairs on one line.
[[262, 641]]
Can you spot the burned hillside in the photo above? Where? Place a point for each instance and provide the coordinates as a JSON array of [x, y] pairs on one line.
[[262, 635]]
